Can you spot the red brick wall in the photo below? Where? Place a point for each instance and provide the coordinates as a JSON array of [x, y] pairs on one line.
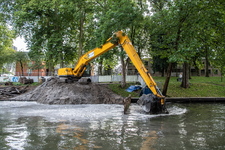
[[42, 72]]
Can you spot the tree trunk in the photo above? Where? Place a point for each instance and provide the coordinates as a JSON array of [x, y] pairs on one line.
[[124, 65], [206, 62], [185, 77], [50, 66], [197, 71], [123, 82], [81, 34], [162, 72], [221, 74], [60, 41], [21, 65], [100, 68], [196, 68], [61, 61], [189, 71], [49, 45], [169, 70], [176, 71], [38, 75]]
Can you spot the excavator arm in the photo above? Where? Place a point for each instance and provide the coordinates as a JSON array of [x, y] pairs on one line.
[[125, 42]]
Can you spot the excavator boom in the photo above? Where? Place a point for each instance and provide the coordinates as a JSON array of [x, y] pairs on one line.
[[125, 42]]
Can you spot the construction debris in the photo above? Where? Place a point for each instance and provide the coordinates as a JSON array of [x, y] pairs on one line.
[[127, 102], [9, 92], [53, 92], [24, 80], [8, 83]]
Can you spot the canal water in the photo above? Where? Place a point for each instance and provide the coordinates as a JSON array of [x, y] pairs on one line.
[[33, 126]]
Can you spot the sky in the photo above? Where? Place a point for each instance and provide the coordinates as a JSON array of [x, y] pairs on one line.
[[19, 42]]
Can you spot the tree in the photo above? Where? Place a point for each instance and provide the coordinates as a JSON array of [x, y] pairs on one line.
[[114, 20], [37, 60], [37, 65], [220, 62], [45, 25], [180, 24], [159, 64], [6, 38], [21, 58]]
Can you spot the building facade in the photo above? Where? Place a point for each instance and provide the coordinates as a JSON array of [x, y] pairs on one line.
[[27, 71], [131, 70]]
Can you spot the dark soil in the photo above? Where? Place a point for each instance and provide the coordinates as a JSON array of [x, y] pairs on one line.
[[25, 89], [52, 92]]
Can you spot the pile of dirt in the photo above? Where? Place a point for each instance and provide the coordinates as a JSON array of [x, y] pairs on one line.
[[52, 92]]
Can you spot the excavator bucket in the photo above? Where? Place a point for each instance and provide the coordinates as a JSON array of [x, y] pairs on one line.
[[152, 104]]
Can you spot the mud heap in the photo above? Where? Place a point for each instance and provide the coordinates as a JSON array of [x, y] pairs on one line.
[[52, 92]]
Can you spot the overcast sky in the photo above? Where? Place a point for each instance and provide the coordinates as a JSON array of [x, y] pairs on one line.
[[20, 43]]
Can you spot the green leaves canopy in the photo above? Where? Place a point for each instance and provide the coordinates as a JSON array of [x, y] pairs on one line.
[[6, 38]]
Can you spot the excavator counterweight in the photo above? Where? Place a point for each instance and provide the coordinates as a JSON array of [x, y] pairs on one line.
[[153, 104]]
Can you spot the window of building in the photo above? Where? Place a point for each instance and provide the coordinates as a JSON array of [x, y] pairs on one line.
[[209, 71], [29, 71], [203, 72], [193, 70]]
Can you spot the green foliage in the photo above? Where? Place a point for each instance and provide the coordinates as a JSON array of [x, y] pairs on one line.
[[21, 58], [46, 26], [181, 29], [37, 60], [159, 64], [219, 60], [6, 38]]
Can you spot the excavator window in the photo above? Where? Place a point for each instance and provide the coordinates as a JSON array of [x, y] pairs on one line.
[[87, 72]]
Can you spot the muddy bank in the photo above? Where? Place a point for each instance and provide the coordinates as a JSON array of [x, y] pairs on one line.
[[52, 92]]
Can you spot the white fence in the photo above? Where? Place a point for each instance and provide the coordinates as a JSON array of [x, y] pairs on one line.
[[109, 78], [118, 78], [16, 78], [114, 78]]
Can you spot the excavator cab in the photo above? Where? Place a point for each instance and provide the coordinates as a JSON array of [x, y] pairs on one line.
[[87, 71]]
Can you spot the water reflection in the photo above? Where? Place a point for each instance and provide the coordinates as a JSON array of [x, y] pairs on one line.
[[36, 126], [17, 135]]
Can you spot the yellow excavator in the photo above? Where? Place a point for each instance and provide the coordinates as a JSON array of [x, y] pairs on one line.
[[157, 102]]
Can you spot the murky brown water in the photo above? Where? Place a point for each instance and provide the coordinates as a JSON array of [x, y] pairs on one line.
[[28, 125]]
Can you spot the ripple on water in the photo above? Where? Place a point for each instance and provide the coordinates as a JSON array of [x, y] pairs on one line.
[[16, 135], [83, 112]]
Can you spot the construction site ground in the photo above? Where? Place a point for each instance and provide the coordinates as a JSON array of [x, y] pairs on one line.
[[10, 91], [52, 92]]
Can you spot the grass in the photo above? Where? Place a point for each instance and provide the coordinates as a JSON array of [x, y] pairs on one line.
[[116, 88], [20, 84], [200, 87]]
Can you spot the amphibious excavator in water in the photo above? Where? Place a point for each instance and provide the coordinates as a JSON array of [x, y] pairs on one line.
[[155, 103]]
